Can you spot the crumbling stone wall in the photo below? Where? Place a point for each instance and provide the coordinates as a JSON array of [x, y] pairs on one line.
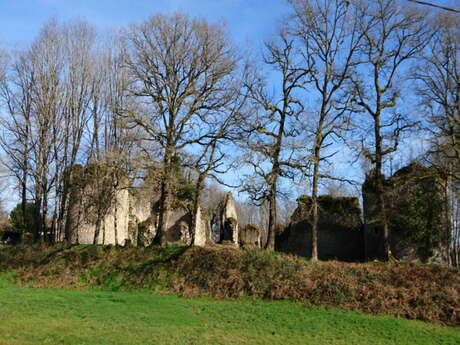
[[102, 201], [414, 198], [98, 205], [178, 227], [114, 212], [202, 230], [142, 219], [250, 236], [225, 225], [340, 233]]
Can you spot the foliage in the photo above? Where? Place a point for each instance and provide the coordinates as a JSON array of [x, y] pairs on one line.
[[345, 205], [251, 228], [5, 224], [335, 212], [142, 229], [422, 212], [332, 203], [184, 189], [17, 218], [418, 211], [186, 192]]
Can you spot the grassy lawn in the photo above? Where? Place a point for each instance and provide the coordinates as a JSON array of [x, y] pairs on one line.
[[53, 316]]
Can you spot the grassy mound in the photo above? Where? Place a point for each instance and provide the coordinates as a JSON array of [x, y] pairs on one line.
[[429, 293]]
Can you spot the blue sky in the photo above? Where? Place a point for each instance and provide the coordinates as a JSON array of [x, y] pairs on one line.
[[250, 21]]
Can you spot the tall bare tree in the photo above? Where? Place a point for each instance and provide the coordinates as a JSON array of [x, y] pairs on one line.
[[330, 39], [47, 58], [392, 35], [48, 96], [180, 68], [271, 127], [212, 156], [438, 76], [80, 77], [438, 73], [16, 80]]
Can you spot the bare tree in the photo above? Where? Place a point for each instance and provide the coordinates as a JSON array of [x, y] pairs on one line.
[[180, 68], [80, 77], [48, 96], [213, 157], [392, 36], [16, 80], [330, 39], [438, 76], [47, 58], [270, 152]]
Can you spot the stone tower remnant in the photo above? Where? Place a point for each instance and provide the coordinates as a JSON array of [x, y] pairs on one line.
[[340, 235], [416, 212], [229, 222]]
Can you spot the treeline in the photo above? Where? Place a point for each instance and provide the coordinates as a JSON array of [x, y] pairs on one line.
[[361, 76]]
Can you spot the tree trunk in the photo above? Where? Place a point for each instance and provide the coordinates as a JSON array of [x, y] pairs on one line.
[[314, 205], [448, 219], [165, 199], [37, 218], [24, 197], [63, 211], [44, 212], [272, 219], [272, 212], [386, 228], [379, 188], [97, 229]]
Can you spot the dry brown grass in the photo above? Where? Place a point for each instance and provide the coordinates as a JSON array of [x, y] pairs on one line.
[[412, 291]]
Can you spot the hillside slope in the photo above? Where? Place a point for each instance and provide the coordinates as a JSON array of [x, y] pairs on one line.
[[429, 293]]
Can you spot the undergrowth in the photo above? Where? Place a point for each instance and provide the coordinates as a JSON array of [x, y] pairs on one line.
[[429, 293]]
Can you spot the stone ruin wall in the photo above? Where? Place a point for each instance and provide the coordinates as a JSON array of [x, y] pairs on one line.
[[229, 221], [129, 212], [115, 220], [413, 181], [202, 230], [413, 196], [250, 236], [340, 235], [116, 217]]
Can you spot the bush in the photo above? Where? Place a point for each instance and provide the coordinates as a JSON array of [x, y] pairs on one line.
[[19, 224]]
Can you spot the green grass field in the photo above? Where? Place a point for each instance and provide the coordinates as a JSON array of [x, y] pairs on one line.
[[54, 316]]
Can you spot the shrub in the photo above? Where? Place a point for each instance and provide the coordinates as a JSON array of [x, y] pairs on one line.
[[24, 223]]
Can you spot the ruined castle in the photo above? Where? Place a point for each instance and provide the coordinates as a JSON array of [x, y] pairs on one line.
[[102, 211]]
